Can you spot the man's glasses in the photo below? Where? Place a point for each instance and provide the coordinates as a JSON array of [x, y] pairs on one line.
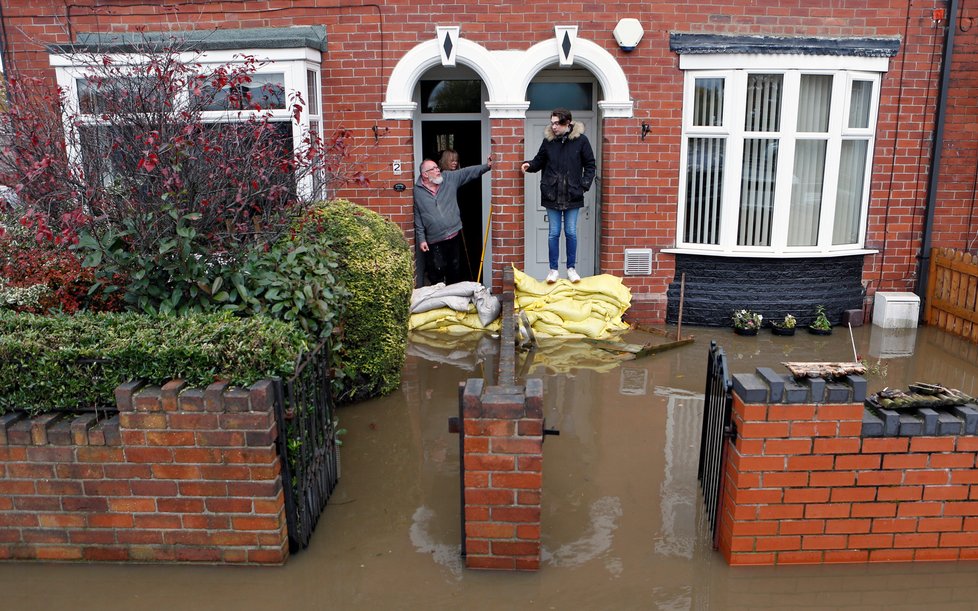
[[429, 170]]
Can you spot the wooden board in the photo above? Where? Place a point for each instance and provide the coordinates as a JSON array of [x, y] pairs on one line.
[[824, 370]]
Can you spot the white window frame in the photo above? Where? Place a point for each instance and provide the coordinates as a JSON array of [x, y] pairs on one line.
[[293, 63], [734, 69]]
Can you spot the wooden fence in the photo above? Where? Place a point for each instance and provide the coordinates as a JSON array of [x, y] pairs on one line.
[[952, 293]]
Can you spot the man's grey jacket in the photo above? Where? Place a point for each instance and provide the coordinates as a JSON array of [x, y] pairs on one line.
[[437, 217]]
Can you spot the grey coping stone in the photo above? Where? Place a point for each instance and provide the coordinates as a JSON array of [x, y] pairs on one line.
[[858, 384], [794, 392], [948, 424], [910, 425], [775, 382], [862, 46], [969, 414], [872, 424], [817, 388], [836, 392], [313, 37], [891, 422], [750, 387], [930, 420]]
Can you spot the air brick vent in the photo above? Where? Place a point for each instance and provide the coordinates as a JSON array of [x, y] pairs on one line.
[[638, 261]]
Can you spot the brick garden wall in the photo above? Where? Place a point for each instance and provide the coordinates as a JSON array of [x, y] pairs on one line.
[[811, 479], [178, 475], [639, 176]]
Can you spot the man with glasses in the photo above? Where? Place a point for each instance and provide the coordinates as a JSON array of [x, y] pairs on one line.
[[567, 161], [437, 222]]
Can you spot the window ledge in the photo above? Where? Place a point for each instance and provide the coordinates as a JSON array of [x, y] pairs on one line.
[[770, 255]]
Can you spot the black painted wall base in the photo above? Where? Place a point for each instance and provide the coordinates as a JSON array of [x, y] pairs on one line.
[[716, 286]]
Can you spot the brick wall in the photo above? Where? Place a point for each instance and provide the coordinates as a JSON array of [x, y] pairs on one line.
[[639, 176], [178, 475], [503, 475], [804, 483]]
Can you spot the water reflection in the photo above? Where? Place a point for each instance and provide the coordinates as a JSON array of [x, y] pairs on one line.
[[622, 523]]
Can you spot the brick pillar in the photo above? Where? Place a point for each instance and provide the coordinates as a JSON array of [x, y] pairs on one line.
[[503, 474], [502, 460]]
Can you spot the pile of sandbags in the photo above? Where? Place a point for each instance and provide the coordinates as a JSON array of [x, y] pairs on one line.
[[591, 308], [454, 308]]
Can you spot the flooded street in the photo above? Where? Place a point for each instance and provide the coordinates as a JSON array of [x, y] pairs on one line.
[[623, 525]]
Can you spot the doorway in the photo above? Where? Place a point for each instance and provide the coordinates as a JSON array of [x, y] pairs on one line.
[[576, 91], [465, 137], [453, 116]]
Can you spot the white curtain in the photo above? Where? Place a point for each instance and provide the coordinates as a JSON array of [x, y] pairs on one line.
[[859, 104], [848, 203], [808, 173]]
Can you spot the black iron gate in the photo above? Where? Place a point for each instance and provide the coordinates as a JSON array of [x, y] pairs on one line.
[[307, 443], [717, 428]]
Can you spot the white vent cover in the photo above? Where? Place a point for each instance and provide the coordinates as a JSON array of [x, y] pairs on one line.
[[638, 261]]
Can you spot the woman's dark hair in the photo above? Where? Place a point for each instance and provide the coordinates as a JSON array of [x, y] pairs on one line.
[[563, 115]]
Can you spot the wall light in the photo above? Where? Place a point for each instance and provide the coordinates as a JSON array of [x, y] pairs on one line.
[[628, 33]]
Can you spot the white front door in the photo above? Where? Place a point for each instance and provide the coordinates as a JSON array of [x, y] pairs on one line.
[[536, 260]]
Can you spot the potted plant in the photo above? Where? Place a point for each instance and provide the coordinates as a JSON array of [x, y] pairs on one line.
[[784, 327], [821, 324], [746, 322]]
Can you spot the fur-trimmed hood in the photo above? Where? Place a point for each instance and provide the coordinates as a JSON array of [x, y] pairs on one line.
[[577, 130]]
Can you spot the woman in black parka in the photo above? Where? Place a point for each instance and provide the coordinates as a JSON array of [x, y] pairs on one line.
[[567, 161]]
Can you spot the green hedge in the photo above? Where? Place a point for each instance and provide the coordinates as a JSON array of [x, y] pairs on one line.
[[45, 361], [377, 268]]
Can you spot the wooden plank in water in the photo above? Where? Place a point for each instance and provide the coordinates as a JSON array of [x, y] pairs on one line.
[[824, 370]]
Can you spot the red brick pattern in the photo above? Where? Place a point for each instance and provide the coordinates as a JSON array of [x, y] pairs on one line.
[[503, 475], [802, 487], [639, 176], [179, 475]]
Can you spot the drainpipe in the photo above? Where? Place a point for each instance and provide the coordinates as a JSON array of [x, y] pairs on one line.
[[4, 60], [923, 269]]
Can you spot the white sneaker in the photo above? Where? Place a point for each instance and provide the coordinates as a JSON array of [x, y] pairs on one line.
[[552, 276], [572, 275]]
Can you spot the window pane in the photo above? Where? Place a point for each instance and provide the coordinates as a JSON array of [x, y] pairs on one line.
[[265, 91], [572, 96], [708, 102], [763, 102], [848, 204], [128, 95], [757, 191], [806, 192], [813, 103], [313, 92], [704, 186], [451, 96], [861, 98]]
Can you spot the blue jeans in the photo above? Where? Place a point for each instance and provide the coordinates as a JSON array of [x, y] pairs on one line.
[[567, 218]]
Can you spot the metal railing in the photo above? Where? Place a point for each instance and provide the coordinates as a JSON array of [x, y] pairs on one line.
[[307, 443], [717, 428]]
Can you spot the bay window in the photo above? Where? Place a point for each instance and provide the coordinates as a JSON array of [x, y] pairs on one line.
[[776, 154]]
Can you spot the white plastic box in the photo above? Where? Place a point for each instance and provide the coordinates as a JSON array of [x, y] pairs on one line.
[[896, 310]]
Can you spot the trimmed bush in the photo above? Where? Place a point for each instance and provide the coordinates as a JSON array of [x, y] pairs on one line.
[[71, 362], [377, 268]]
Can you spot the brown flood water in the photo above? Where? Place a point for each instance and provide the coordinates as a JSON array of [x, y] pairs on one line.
[[623, 526]]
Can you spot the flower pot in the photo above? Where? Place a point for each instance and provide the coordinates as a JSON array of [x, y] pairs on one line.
[[815, 331], [740, 331], [776, 330]]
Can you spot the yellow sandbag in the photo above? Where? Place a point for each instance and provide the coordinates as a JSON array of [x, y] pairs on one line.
[[570, 309]]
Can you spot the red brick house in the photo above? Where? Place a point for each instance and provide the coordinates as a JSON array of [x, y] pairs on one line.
[[779, 153]]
